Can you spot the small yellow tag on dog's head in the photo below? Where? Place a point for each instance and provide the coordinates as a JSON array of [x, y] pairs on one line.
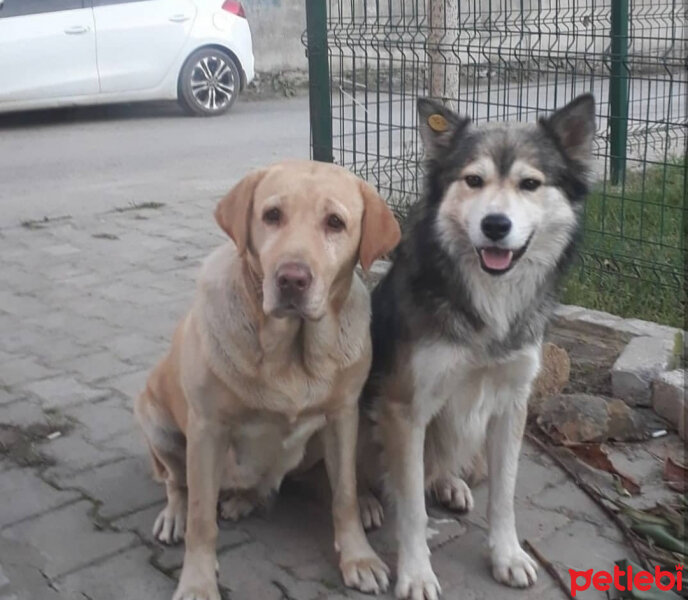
[[438, 123]]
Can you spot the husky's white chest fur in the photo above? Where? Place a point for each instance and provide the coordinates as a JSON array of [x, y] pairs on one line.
[[469, 388]]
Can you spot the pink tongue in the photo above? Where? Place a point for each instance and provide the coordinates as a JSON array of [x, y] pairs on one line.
[[497, 259]]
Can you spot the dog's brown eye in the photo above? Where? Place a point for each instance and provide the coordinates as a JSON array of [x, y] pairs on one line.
[[272, 216], [530, 185], [335, 223], [474, 181]]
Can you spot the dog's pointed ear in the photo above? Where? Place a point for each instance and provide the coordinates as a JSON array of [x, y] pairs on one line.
[[380, 232], [438, 125], [233, 212], [574, 127]]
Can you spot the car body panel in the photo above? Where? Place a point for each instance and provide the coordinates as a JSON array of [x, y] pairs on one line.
[[139, 42], [210, 27], [48, 55]]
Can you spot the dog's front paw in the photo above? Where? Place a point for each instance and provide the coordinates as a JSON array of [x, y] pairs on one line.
[[514, 567], [417, 583], [170, 524], [368, 574], [372, 513], [200, 591], [454, 493], [198, 581]]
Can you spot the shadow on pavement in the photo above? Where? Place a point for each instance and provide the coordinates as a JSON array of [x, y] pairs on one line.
[[85, 114]]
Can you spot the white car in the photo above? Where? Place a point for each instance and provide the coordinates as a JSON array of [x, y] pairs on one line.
[[75, 52]]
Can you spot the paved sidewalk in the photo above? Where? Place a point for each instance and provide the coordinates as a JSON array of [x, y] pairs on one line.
[[87, 305]]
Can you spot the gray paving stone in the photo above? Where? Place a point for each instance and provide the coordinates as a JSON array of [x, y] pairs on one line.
[[102, 420], [6, 397], [22, 306], [68, 538], [249, 573], [6, 356], [72, 453], [463, 569], [23, 495], [4, 580], [564, 550], [130, 385], [134, 345], [24, 567], [641, 361], [64, 391], [22, 412], [122, 487], [169, 558], [61, 250], [62, 347], [19, 280], [84, 280], [21, 339], [100, 365], [131, 443], [24, 370], [127, 576]]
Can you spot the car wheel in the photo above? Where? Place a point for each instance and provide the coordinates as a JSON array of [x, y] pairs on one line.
[[209, 83]]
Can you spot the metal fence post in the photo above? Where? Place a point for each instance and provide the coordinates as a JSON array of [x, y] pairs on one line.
[[618, 90], [319, 80]]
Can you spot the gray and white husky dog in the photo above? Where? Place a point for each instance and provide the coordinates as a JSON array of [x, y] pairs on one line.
[[459, 318]]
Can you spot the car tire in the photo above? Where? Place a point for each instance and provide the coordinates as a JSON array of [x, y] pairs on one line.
[[209, 83]]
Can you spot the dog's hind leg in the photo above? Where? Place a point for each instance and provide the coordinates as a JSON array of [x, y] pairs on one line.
[[450, 452], [167, 446], [240, 504]]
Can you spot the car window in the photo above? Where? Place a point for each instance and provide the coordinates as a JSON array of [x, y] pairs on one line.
[[18, 8]]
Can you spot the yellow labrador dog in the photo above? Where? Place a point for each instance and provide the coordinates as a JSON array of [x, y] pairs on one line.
[[275, 349]]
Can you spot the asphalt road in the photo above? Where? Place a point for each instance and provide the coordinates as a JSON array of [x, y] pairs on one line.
[[90, 160]]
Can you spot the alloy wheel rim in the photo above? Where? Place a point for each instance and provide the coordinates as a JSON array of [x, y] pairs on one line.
[[212, 82]]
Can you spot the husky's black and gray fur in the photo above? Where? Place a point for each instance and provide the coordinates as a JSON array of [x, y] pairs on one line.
[[458, 320]]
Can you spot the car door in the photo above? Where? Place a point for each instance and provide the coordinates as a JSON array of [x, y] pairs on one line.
[[47, 50], [138, 41]]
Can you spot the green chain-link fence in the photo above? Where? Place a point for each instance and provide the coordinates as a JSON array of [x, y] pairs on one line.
[[510, 59]]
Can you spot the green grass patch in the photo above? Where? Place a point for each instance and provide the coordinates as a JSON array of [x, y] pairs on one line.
[[632, 252]]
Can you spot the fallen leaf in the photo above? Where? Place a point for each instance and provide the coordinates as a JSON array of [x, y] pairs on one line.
[[676, 475], [662, 536], [677, 520], [641, 516], [596, 456]]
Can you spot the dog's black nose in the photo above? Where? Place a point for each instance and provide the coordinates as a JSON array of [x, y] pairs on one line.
[[294, 278], [496, 226]]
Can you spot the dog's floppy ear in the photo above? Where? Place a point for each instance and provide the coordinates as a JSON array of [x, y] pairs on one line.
[[233, 213], [380, 232], [573, 126], [439, 126]]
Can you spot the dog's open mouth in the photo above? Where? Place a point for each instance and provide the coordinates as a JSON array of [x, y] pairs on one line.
[[497, 261]]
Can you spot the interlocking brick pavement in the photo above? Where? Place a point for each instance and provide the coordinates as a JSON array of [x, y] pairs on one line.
[[87, 305]]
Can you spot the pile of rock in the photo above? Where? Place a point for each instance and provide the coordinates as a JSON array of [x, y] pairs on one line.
[[648, 373]]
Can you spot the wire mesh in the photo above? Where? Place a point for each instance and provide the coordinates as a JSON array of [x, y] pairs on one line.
[[516, 60]]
